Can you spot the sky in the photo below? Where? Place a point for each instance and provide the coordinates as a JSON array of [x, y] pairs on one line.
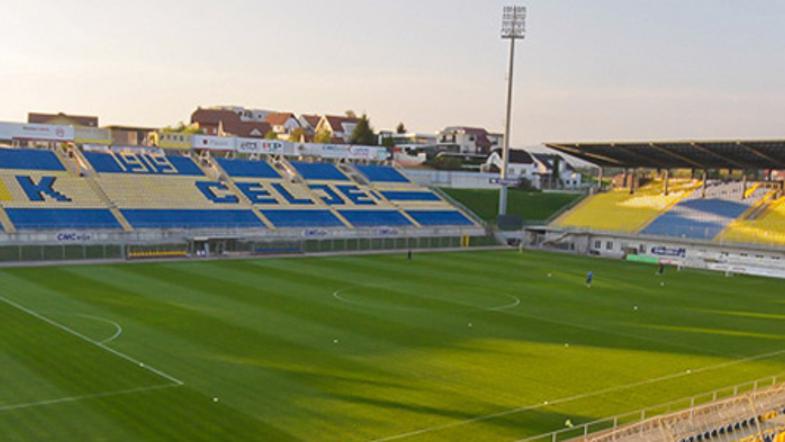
[[587, 70]]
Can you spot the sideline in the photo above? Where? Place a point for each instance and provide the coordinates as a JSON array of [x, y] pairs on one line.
[[576, 397], [88, 262], [98, 344]]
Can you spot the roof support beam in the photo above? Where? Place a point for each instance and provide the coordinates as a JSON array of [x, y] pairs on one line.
[[775, 163], [722, 157], [584, 155], [677, 156], [642, 158]]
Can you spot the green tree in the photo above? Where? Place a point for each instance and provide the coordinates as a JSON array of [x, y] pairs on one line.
[[363, 133], [388, 142], [298, 135], [323, 136], [351, 114], [181, 127], [271, 135], [401, 129]]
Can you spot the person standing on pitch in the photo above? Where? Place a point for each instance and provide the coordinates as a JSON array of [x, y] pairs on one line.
[[409, 255], [589, 279]]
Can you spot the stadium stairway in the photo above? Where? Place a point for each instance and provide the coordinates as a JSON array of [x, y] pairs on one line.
[[704, 218], [619, 211], [212, 168], [81, 167], [763, 224], [5, 222], [42, 190], [169, 192], [422, 205]]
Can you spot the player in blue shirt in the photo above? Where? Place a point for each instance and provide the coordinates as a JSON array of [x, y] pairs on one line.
[[589, 278]]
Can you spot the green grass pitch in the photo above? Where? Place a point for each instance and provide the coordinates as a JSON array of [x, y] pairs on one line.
[[461, 346]]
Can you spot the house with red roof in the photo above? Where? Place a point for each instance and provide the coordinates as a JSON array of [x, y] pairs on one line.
[[471, 140], [282, 123], [226, 122], [340, 127]]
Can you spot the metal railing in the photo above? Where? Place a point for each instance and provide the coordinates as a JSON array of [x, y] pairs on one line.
[[614, 423]]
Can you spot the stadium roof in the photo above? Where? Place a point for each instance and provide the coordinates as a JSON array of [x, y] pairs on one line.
[[728, 154]]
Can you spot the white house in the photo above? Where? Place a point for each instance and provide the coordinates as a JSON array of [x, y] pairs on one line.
[[282, 123], [536, 168], [471, 140], [339, 127]]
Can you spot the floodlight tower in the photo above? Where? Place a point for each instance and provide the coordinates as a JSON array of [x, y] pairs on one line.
[[513, 28]]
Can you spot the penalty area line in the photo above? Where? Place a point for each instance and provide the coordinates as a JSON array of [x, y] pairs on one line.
[[101, 345], [62, 400], [576, 397]]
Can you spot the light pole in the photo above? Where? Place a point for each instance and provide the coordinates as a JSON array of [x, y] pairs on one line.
[[513, 28]]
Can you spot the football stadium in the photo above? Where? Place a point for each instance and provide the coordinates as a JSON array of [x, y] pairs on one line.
[[202, 295], [264, 275]]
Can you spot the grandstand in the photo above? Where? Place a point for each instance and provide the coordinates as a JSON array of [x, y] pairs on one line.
[[744, 210], [753, 416], [37, 192], [126, 194]]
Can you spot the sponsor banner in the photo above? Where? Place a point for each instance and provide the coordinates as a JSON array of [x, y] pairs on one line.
[[508, 182], [315, 233], [92, 135], [44, 132], [344, 151], [259, 146], [668, 251], [73, 236], [385, 231], [213, 143], [337, 151], [123, 149]]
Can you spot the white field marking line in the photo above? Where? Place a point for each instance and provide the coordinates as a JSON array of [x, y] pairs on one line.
[[576, 397], [118, 327], [516, 301], [62, 400], [507, 309], [100, 345], [337, 295]]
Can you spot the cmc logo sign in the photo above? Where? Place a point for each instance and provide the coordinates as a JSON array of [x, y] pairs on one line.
[[315, 233], [73, 237], [666, 251]]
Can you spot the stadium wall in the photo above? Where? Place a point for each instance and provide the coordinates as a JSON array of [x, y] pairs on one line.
[[728, 258]]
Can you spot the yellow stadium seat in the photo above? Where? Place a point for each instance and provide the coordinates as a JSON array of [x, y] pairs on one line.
[[620, 211]]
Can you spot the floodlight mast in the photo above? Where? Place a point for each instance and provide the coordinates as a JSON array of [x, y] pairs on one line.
[[513, 28]]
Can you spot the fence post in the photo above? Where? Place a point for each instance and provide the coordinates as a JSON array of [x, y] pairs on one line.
[[553, 438], [692, 407]]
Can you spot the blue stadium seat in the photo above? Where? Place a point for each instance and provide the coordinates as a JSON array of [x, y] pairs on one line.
[[382, 174], [142, 164], [430, 218], [42, 219], [375, 218], [400, 195], [302, 218], [247, 168], [191, 219], [697, 218], [29, 159], [319, 171]]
